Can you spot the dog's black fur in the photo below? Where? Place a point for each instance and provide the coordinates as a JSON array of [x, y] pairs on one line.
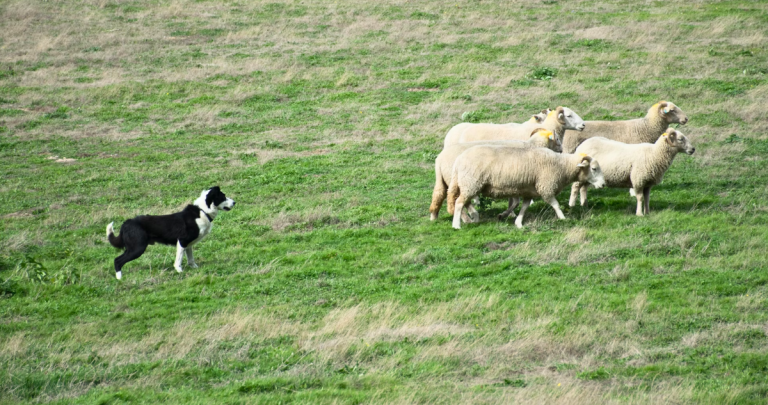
[[180, 229]]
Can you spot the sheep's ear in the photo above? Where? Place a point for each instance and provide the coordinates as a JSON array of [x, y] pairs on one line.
[[671, 136], [560, 115], [664, 107], [585, 160]]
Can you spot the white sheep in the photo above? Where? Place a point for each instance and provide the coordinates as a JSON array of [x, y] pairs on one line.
[[514, 172], [444, 166], [640, 166], [557, 121], [640, 130]]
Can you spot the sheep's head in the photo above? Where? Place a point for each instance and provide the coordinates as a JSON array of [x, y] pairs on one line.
[[676, 139], [568, 118], [540, 117], [590, 171], [671, 113], [544, 138]]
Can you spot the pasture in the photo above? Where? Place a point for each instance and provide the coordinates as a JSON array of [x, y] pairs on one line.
[[327, 283]]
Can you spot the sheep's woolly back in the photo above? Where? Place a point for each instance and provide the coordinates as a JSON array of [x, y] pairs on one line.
[[641, 130], [502, 172], [466, 132], [445, 160]]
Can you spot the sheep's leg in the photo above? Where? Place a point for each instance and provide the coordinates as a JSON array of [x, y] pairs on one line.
[[632, 192], [519, 220], [647, 200], [583, 194], [513, 201], [553, 202], [465, 215], [453, 194], [639, 197], [438, 196], [474, 216], [574, 191], [457, 212]]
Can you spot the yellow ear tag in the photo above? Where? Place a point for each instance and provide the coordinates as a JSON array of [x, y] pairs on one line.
[[583, 155], [664, 134]]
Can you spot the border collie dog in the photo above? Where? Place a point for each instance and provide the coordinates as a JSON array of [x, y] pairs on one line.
[[182, 229]]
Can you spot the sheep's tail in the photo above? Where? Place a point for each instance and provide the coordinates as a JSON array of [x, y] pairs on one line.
[[453, 190], [116, 241]]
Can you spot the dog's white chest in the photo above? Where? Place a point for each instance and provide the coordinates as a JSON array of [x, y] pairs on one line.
[[204, 226]]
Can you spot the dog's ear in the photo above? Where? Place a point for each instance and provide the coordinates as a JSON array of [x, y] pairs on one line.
[[215, 188]]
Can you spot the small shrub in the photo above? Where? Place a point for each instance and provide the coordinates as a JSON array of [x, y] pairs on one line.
[[599, 374], [543, 73]]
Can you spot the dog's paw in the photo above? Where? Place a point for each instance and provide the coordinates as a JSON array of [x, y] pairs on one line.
[[178, 269]]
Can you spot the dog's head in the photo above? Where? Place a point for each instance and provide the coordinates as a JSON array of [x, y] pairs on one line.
[[215, 200]]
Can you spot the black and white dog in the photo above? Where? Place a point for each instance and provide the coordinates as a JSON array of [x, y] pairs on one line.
[[182, 229]]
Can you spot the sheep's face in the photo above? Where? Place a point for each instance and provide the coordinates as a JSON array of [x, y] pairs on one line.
[[591, 173], [677, 140], [672, 113], [544, 138], [570, 119], [540, 117], [554, 144]]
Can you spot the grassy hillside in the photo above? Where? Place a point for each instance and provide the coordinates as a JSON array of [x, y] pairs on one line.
[[328, 283]]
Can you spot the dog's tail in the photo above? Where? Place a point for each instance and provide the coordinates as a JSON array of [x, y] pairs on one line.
[[116, 241]]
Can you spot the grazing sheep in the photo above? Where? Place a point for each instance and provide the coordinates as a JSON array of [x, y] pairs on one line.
[[557, 121], [640, 166], [444, 165], [641, 130], [514, 172]]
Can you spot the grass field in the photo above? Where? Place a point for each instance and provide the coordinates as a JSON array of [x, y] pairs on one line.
[[328, 283]]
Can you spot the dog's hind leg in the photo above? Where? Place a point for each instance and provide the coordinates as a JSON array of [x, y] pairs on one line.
[[127, 256], [190, 257], [179, 252]]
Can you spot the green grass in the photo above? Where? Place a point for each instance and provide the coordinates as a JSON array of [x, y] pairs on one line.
[[328, 283]]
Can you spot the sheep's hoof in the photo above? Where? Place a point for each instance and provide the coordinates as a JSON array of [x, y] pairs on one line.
[[432, 216]]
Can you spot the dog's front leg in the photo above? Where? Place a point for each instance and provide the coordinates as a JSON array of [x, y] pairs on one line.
[[190, 257], [179, 251]]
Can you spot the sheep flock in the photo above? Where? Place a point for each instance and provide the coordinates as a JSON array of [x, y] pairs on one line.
[[555, 147]]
